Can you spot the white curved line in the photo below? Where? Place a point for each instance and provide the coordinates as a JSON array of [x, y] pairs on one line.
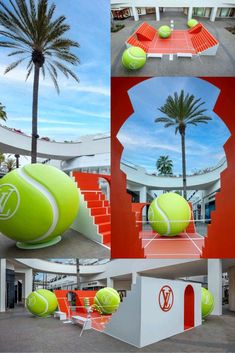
[[45, 301], [132, 56], [164, 217], [50, 199]]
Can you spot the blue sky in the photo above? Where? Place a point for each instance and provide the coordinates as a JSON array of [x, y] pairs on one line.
[[82, 108], [144, 140]]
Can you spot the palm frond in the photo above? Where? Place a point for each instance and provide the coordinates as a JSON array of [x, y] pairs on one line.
[[13, 65]]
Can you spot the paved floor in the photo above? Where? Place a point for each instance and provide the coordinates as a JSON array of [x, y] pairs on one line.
[[73, 244], [21, 332], [223, 64]]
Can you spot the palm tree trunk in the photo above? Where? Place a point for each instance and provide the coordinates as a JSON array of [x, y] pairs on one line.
[[35, 114], [78, 274], [183, 164]]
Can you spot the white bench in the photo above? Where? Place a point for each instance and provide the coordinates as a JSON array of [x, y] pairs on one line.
[[60, 314], [184, 55], [154, 55], [82, 321]]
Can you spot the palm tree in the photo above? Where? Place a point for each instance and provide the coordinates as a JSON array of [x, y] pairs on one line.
[[164, 165], [17, 157], [180, 111], [36, 37], [2, 158], [78, 274], [3, 114], [9, 163]]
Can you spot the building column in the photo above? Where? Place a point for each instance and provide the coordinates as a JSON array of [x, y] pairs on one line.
[[143, 194], [109, 282], [190, 13], [27, 284], [214, 272], [231, 284], [135, 13], [134, 277], [2, 285], [157, 13], [213, 14]]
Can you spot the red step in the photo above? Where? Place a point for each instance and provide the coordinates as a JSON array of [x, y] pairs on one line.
[[95, 203], [102, 219], [95, 211], [92, 196], [104, 227], [106, 237]]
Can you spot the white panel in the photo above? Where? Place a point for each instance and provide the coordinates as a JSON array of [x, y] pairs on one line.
[[125, 323], [152, 324]]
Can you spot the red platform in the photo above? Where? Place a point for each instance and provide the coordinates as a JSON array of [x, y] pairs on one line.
[[191, 41], [188, 244], [98, 321], [185, 245]]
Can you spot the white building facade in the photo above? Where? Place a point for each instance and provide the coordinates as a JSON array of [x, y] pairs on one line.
[[211, 9]]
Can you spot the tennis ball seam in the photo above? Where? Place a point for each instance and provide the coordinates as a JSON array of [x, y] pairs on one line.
[[113, 292], [45, 301], [45, 192], [164, 216], [134, 56]]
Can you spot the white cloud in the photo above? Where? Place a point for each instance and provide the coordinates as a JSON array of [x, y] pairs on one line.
[[130, 141], [48, 121], [18, 75]]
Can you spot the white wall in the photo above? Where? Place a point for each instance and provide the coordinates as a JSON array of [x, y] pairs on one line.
[[140, 321], [2, 284]]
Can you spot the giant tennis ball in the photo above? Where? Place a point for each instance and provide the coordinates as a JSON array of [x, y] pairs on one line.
[[169, 214], [133, 58], [207, 303], [37, 203], [41, 303], [164, 32], [192, 23], [107, 300]]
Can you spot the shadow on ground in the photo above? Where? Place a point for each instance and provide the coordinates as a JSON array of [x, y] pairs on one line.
[[73, 244], [21, 332]]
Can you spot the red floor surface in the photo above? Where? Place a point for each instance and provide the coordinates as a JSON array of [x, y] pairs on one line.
[[98, 321], [179, 42], [185, 245], [99, 324]]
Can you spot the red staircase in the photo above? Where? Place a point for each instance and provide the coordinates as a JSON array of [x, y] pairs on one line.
[[99, 207], [145, 32], [133, 41], [201, 38]]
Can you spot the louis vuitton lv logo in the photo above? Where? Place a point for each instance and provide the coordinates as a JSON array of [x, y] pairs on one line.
[[166, 298], [9, 201]]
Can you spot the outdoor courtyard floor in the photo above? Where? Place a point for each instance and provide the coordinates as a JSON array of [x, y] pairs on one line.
[[223, 64], [73, 244], [21, 332]]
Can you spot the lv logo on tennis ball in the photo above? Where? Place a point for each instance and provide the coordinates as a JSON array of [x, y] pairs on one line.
[[9, 201]]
